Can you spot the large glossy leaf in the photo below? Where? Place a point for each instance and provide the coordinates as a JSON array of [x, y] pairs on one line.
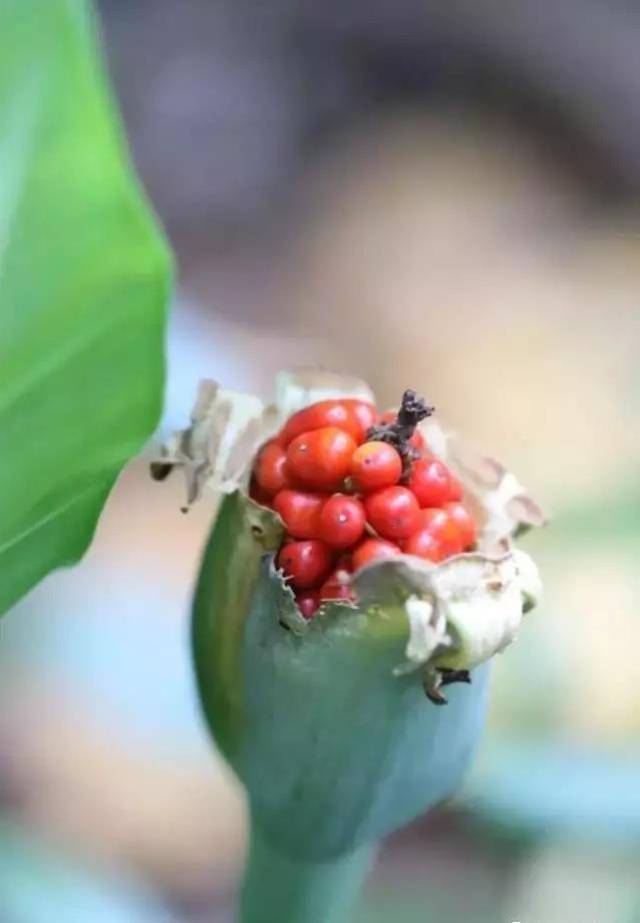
[[84, 278]]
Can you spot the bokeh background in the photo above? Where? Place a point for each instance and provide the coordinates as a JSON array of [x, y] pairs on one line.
[[442, 196]]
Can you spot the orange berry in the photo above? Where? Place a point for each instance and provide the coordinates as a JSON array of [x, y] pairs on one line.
[[374, 465]]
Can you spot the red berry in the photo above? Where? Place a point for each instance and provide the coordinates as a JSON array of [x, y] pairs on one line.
[[333, 591], [455, 488], [320, 459], [305, 563], [438, 522], [336, 586], [341, 521], [300, 512], [374, 465], [308, 602], [424, 544], [319, 416], [393, 512], [464, 522], [364, 413], [430, 481], [271, 469], [373, 549]]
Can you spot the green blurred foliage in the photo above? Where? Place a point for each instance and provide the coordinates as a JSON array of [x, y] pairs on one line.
[[84, 280]]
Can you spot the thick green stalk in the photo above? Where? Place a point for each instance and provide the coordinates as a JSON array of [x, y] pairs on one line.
[[334, 744], [277, 888]]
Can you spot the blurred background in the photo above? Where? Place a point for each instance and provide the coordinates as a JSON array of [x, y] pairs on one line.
[[441, 196]]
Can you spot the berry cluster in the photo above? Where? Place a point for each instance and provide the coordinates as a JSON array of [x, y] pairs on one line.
[[351, 487]]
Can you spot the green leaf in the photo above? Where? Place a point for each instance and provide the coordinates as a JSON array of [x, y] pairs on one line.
[[84, 282]]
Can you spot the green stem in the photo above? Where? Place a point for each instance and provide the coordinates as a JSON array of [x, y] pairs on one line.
[[277, 888]]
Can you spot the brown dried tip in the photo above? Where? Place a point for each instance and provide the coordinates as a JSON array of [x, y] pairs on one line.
[[413, 409]]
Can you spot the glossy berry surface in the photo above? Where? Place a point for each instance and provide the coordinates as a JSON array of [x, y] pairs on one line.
[[393, 512], [300, 512], [464, 523], [424, 544], [373, 549], [342, 521], [306, 563], [375, 465], [271, 469], [439, 524], [430, 481], [336, 413], [320, 459], [364, 414]]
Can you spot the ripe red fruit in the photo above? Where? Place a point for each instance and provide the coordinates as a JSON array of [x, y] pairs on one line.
[[308, 602], [433, 518], [336, 586], [300, 512], [374, 465], [393, 512], [424, 544], [430, 481], [333, 591], [373, 549], [443, 528], [364, 413], [271, 469], [305, 563], [334, 412], [320, 459], [464, 522], [341, 521]]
